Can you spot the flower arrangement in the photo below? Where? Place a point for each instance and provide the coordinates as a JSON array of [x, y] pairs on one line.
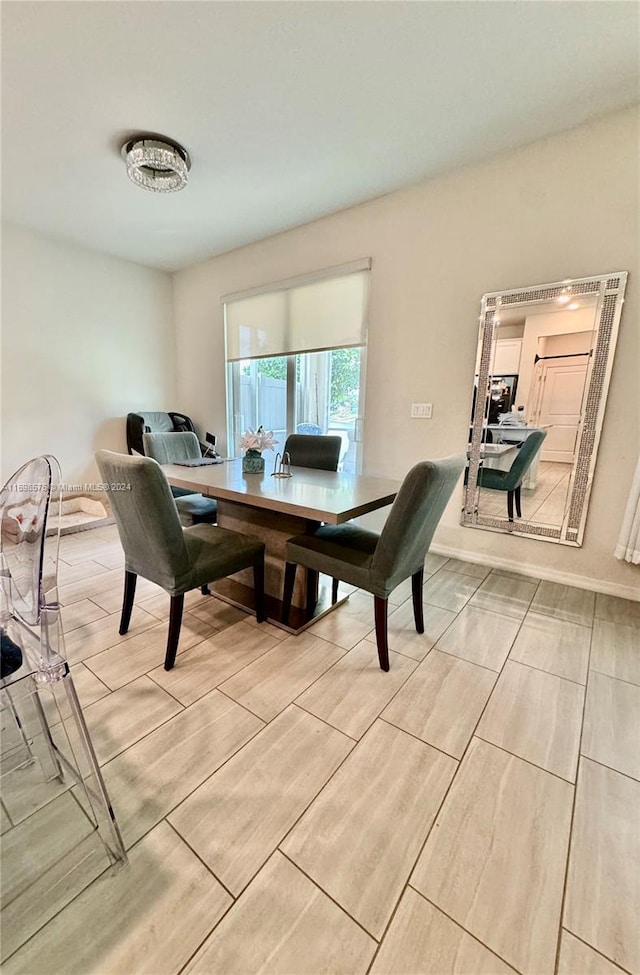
[[260, 440]]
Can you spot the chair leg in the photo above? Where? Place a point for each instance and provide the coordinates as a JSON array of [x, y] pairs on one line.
[[287, 595], [130, 579], [416, 587], [380, 608], [510, 505], [205, 590], [175, 621], [312, 591], [517, 497], [258, 587], [334, 591]]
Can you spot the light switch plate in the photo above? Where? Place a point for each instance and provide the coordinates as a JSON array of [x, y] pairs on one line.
[[421, 411]]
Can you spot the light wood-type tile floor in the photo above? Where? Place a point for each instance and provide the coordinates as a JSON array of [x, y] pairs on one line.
[[290, 809]]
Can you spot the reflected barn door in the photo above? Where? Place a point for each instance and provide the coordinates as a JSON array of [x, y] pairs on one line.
[[561, 390]]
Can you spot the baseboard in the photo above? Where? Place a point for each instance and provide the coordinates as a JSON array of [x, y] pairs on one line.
[[549, 575]]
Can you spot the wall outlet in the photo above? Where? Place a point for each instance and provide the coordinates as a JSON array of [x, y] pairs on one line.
[[421, 411]]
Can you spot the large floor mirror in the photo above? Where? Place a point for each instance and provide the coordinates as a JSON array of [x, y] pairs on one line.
[[542, 373]]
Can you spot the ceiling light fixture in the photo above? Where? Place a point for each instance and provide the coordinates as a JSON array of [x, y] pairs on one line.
[[157, 164]]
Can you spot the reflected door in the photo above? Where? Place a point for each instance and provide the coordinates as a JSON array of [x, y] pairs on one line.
[[562, 385]]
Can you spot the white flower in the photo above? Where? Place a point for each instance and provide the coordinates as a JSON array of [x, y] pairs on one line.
[[260, 440]]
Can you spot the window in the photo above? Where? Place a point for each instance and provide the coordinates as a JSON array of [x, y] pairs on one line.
[[296, 359]]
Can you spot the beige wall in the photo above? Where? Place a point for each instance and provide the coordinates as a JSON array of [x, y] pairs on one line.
[[85, 339], [564, 207]]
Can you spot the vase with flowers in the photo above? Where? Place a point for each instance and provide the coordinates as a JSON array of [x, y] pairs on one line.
[[253, 443]]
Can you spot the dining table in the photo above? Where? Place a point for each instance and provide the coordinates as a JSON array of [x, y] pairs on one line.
[[275, 508]]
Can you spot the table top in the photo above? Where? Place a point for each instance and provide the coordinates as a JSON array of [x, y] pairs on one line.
[[327, 496]]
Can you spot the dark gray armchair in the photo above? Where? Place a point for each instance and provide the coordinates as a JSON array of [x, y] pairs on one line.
[[376, 562], [157, 547]]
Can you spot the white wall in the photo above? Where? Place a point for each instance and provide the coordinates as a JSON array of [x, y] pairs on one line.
[[564, 207], [85, 339]]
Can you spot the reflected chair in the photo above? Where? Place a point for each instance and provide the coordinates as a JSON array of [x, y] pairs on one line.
[[318, 452], [171, 448], [376, 562], [511, 480], [157, 547]]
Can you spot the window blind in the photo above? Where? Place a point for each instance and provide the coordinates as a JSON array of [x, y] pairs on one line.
[[327, 310]]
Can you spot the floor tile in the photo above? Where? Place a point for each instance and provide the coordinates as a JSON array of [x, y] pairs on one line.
[[449, 590], [46, 861], [421, 940], [80, 572], [518, 576], [39, 842], [80, 613], [479, 636], [468, 568], [212, 661], [495, 859], [127, 715], [603, 893], [216, 612], [235, 820], [360, 837], [133, 657], [273, 681], [352, 694], [564, 602], [294, 928], [148, 780], [536, 716], [433, 563], [554, 645], [113, 926], [88, 688], [25, 790], [612, 724], [505, 595], [615, 650], [111, 598], [88, 582], [86, 641], [349, 623], [5, 822], [402, 634], [577, 958], [442, 702], [616, 610]]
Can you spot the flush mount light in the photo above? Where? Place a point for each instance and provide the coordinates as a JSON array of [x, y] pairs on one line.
[[156, 164]]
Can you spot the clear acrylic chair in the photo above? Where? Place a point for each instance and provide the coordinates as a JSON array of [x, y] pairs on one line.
[[50, 778]]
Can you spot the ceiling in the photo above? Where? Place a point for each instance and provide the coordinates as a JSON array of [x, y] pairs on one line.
[[290, 111]]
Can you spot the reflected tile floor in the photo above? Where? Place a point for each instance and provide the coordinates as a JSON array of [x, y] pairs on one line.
[[306, 813]]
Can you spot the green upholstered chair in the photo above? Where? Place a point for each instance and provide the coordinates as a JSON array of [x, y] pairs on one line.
[[318, 452], [511, 480], [170, 448], [376, 562], [157, 547]]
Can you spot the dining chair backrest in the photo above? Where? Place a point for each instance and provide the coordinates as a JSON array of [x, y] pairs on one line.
[[321, 453], [414, 516], [146, 516], [523, 460], [168, 448]]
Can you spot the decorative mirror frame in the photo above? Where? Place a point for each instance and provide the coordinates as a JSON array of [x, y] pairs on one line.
[[609, 290]]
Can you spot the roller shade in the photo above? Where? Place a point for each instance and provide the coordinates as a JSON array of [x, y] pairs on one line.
[[323, 311]]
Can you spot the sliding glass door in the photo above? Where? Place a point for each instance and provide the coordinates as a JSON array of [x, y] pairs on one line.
[[307, 392]]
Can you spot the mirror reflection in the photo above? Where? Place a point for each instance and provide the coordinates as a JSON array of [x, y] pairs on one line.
[[542, 367]]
